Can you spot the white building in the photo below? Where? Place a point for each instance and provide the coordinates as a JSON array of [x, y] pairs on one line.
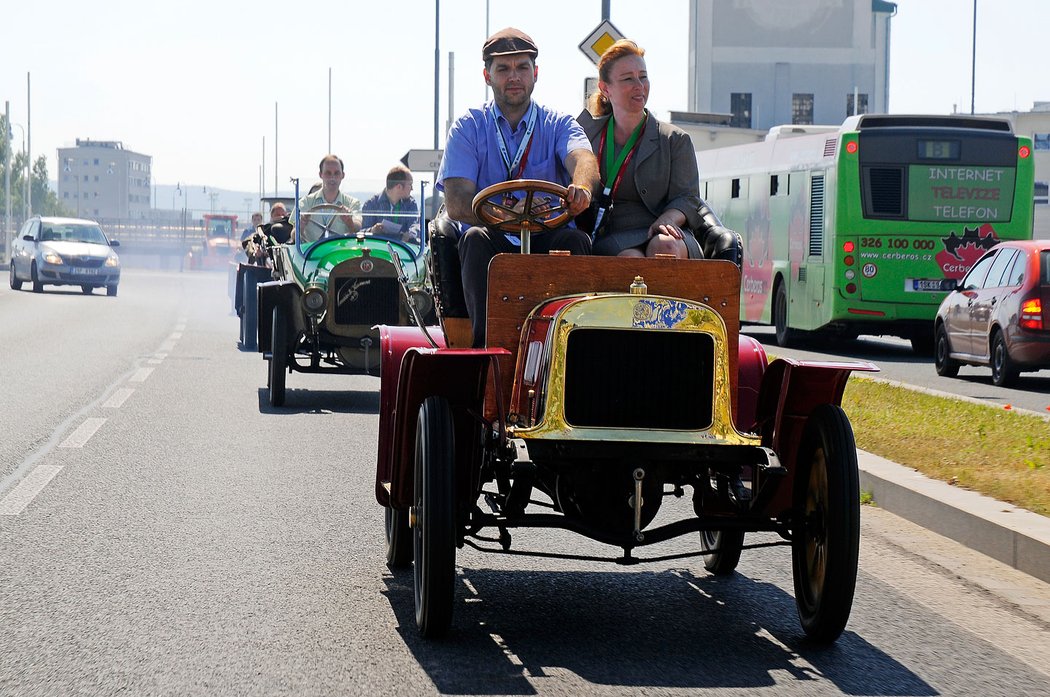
[[100, 179], [772, 62]]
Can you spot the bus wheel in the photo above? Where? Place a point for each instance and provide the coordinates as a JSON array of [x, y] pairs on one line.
[[785, 335]]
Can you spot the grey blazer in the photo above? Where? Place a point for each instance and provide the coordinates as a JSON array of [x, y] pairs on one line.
[[665, 170]]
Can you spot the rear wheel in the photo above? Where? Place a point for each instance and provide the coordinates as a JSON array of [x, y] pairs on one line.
[[398, 539], [785, 335], [434, 534], [826, 538], [278, 358], [38, 285], [1004, 370], [946, 366], [16, 284], [728, 544]]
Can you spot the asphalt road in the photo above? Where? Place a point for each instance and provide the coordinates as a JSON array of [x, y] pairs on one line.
[[185, 539], [897, 361]]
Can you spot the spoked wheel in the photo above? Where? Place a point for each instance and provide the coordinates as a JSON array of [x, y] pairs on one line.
[[522, 206], [728, 543], [316, 229], [278, 358], [16, 283], [946, 366], [398, 539], [434, 531], [826, 539]]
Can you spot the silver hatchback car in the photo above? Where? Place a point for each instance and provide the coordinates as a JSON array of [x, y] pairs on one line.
[[64, 252]]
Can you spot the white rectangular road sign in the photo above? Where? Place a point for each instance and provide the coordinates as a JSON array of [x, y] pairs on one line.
[[603, 36], [422, 160]]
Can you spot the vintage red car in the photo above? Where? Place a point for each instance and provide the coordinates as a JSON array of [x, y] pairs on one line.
[[564, 421]]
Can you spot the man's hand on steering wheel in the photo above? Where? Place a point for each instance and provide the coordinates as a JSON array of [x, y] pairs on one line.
[[578, 197]]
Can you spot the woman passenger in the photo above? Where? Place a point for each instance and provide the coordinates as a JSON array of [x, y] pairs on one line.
[[650, 197]]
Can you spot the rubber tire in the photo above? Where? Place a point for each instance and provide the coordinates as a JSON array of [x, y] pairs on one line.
[[729, 543], [86, 290], [398, 539], [278, 367], [825, 544], [1004, 370], [249, 315], [16, 283], [947, 367], [111, 291], [434, 534], [785, 336], [38, 285]]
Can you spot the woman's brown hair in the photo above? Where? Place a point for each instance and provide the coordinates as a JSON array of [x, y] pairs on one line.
[[598, 105]]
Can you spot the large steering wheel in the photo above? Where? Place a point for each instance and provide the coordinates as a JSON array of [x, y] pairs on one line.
[[545, 206], [325, 228]]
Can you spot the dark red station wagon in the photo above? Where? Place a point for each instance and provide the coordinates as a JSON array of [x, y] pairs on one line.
[[999, 314]]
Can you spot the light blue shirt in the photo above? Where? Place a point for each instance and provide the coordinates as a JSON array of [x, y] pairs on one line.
[[472, 150]]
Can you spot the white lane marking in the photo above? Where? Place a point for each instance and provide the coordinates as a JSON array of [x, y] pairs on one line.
[[83, 434], [23, 494], [140, 375], [160, 356], [166, 347], [118, 398], [175, 336]]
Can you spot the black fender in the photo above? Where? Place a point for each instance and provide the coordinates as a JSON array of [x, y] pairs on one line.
[[273, 293]]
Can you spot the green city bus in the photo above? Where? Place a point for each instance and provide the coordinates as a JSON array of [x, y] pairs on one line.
[[864, 228]]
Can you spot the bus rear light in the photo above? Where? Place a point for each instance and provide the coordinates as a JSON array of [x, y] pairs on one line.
[[848, 246], [851, 288], [848, 261], [1024, 151], [1032, 314], [851, 147], [872, 313]]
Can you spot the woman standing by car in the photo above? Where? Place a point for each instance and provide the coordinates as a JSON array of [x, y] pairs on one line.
[[650, 201]]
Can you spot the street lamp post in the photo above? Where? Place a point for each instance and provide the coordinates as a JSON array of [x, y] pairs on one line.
[[25, 199]]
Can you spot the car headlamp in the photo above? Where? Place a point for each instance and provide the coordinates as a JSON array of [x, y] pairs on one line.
[[314, 301], [112, 261], [52, 257]]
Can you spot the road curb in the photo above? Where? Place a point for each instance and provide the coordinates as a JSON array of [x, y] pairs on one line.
[[1011, 535]]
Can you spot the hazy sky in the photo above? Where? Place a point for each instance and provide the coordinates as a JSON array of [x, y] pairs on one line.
[[194, 83]]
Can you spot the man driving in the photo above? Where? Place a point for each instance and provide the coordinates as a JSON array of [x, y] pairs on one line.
[[511, 137], [329, 211]]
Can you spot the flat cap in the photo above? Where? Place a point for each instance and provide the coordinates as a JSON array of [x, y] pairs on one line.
[[507, 41]]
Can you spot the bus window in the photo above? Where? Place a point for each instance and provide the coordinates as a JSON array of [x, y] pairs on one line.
[[774, 184], [736, 189]]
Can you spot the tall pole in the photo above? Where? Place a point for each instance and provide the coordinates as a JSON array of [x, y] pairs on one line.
[[29, 148], [329, 110], [437, 65], [488, 33], [275, 148], [973, 59], [262, 170], [7, 180], [605, 10]]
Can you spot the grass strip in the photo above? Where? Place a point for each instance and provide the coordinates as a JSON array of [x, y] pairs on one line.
[[994, 451]]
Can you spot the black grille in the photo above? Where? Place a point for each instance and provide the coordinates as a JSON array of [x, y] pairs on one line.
[[886, 190], [639, 379], [366, 300], [85, 261]]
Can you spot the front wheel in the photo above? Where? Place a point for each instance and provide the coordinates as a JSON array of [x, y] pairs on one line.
[[434, 534], [1004, 370], [16, 284], [728, 545], [86, 289], [946, 366], [38, 285], [278, 368], [825, 542], [111, 291]]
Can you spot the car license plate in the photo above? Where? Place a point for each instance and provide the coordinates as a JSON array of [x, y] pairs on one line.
[[80, 271], [926, 284]]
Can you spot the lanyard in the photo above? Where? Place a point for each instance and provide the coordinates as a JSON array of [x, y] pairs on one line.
[[616, 164], [614, 168], [522, 156]]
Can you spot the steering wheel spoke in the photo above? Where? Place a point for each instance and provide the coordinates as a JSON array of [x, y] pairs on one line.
[[543, 207]]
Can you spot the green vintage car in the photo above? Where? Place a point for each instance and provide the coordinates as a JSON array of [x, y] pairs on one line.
[[331, 291]]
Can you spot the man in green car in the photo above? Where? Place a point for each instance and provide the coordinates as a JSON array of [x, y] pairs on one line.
[[329, 211]]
